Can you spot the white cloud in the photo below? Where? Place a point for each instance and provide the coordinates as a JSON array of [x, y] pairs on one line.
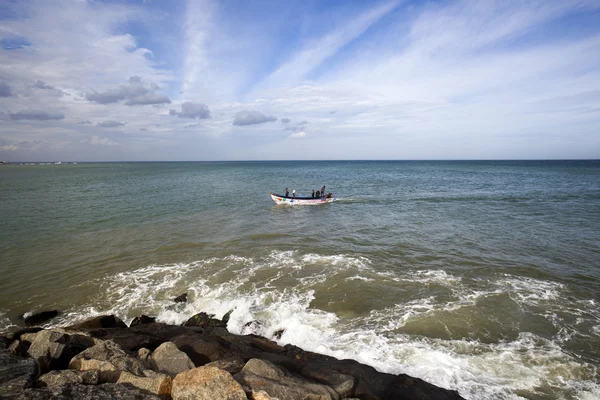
[[97, 141], [298, 135], [251, 117], [9, 147], [192, 110]]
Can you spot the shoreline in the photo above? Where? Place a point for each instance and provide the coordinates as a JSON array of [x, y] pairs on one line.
[[104, 358]]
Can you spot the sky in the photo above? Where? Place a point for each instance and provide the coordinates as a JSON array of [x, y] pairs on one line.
[[152, 80]]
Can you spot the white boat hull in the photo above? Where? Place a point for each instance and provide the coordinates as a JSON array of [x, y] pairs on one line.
[[302, 201]]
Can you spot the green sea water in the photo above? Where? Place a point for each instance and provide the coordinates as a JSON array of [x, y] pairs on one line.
[[482, 277]]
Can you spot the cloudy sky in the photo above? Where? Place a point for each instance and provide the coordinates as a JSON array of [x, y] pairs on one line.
[[250, 80]]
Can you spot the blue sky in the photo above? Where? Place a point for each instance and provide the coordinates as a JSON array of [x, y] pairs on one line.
[[230, 80]]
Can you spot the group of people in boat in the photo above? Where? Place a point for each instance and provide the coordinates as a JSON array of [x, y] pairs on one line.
[[315, 195]]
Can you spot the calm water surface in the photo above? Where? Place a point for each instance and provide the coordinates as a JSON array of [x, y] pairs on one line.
[[478, 276]]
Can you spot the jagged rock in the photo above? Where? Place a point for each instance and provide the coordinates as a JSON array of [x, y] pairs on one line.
[[261, 395], [407, 387], [143, 354], [54, 349], [102, 321], [231, 365], [109, 359], [167, 358], [226, 317], [19, 348], [141, 320], [253, 326], [127, 338], [200, 349], [16, 374], [40, 317], [263, 375], [71, 391], [341, 383], [278, 333], [62, 377], [204, 320], [16, 335], [159, 384], [206, 383], [28, 337], [182, 298]]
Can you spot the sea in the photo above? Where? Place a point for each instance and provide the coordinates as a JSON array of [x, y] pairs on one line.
[[477, 276]]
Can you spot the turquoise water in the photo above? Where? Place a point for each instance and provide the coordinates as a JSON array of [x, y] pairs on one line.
[[478, 276]]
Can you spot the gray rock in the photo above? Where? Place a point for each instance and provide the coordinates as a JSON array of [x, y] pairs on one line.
[[261, 375], [16, 334], [84, 392], [232, 365], [101, 321], [204, 320], [109, 359], [54, 349], [200, 349], [167, 358], [341, 383], [206, 383], [143, 354], [19, 348], [16, 374], [62, 377]]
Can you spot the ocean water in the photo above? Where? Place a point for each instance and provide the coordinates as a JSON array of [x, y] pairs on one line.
[[482, 277]]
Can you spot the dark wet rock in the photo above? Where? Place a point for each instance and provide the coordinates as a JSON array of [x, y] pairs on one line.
[[92, 392], [19, 348], [407, 387], [182, 298], [204, 320], [16, 374], [16, 335], [129, 339], [260, 375], [65, 376], [278, 333], [343, 384], [226, 317], [40, 317], [101, 321], [4, 342], [108, 358], [168, 359], [206, 383], [232, 365], [54, 349], [141, 320], [200, 349], [253, 326]]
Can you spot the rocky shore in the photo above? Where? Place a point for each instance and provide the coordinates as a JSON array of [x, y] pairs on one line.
[[103, 358]]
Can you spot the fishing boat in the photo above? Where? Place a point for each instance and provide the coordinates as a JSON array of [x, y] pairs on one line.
[[301, 201]]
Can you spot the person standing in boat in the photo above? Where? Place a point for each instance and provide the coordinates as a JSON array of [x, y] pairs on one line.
[[323, 191], [313, 193], [294, 193], [287, 192]]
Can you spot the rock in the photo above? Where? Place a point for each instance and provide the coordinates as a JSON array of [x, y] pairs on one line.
[[200, 349], [226, 317], [182, 298], [204, 320], [261, 395], [231, 365], [253, 326], [102, 321], [16, 374], [71, 391], [109, 359], [127, 338], [62, 377], [407, 387], [143, 354], [28, 337], [4, 342], [40, 317], [341, 383], [278, 333], [19, 348], [141, 320], [53, 349], [263, 375], [159, 384], [16, 335], [168, 359], [206, 383]]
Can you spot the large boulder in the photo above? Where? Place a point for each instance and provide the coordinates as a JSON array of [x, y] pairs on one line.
[[127, 338], [407, 387], [204, 320], [261, 375], [38, 318], [141, 320], [62, 377], [206, 383], [101, 321], [16, 374], [71, 391], [167, 358], [159, 384], [54, 349], [343, 384], [201, 349], [108, 358], [16, 334], [182, 298]]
